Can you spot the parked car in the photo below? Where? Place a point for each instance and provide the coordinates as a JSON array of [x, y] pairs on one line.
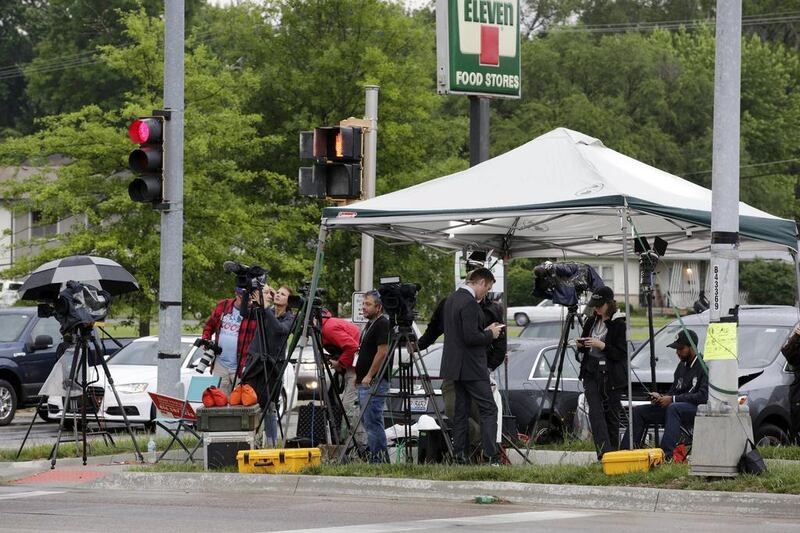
[[548, 329], [135, 372], [544, 310], [9, 292], [764, 375], [27, 355], [529, 363]]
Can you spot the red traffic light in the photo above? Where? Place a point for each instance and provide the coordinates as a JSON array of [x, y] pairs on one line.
[[145, 130]]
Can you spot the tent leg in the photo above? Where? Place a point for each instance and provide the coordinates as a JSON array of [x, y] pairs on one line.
[[623, 217]]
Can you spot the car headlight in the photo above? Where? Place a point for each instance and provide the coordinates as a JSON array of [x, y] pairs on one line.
[[132, 388]]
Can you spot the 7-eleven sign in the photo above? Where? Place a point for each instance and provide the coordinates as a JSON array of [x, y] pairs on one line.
[[478, 47]]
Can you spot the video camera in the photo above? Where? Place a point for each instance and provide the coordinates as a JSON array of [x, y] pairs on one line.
[[399, 300], [249, 278], [564, 283], [78, 306], [296, 301]]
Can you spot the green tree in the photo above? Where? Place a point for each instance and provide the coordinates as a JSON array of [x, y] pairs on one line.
[[768, 282], [232, 208]]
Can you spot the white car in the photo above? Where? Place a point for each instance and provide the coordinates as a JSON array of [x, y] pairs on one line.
[[544, 310], [135, 372]]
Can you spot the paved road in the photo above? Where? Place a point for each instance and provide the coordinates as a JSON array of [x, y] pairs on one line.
[[50, 508]]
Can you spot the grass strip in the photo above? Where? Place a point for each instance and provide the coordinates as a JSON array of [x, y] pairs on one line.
[[95, 446]]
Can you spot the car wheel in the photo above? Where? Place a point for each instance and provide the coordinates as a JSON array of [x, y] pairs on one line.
[[282, 402], [8, 402], [521, 319], [771, 435], [151, 425], [544, 432]]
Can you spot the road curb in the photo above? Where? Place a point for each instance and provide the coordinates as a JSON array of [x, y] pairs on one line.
[[641, 499]]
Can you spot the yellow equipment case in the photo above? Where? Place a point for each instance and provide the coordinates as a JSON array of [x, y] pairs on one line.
[[277, 460], [624, 461]]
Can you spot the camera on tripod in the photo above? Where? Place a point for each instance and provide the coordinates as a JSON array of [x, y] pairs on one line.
[[399, 300], [296, 301], [78, 306], [249, 278], [210, 351], [564, 283]]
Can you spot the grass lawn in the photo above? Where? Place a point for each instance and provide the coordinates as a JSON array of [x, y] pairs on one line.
[[96, 446]]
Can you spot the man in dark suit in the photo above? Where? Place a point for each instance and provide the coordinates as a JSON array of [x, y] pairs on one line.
[[464, 361]]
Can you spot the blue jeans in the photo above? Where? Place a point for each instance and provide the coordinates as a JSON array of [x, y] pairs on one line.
[[672, 417], [373, 420]]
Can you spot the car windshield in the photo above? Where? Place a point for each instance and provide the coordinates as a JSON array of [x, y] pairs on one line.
[[11, 325], [548, 330], [143, 353], [757, 346]]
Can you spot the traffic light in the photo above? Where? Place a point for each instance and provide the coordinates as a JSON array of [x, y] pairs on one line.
[[146, 161], [337, 151]]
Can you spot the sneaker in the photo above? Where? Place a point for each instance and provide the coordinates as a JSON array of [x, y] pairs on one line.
[[236, 395]]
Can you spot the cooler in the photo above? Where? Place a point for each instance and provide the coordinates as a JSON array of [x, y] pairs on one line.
[[277, 460], [624, 461]]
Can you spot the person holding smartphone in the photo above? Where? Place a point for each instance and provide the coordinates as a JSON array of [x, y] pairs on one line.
[[604, 368], [679, 405]]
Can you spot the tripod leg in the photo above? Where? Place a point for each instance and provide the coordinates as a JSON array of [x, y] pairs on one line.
[[42, 401], [119, 402], [65, 406], [85, 394], [422, 372]]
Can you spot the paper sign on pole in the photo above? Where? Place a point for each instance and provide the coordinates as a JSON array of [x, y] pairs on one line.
[[720, 341], [358, 301]]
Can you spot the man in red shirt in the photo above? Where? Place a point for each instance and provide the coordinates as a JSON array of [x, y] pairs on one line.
[[341, 338]]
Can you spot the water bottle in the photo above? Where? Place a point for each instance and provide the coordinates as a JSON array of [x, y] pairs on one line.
[[151, 450]]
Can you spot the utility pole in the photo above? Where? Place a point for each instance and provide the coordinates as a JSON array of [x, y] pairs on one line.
[[721, 428], [370, 163], [171, 263], [478, 130]]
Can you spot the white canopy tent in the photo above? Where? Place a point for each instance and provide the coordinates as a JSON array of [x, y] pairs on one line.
[[563, 193]]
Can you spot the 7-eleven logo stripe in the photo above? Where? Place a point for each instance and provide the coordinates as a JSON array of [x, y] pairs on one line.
[[490, 45]]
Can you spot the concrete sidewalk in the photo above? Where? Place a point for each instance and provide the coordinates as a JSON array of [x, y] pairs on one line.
[[111, 472]]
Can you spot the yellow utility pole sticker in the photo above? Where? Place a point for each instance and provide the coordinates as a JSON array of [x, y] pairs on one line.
[[720, 341]]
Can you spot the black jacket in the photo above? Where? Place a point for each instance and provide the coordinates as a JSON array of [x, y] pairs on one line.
[[492, 312], [690, 383], [615, 352], [791, 351], [465, 340]]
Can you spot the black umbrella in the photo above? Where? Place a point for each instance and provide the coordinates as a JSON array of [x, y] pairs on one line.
[[45, 282]]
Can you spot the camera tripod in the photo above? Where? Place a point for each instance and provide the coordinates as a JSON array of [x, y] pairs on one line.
[[80, 364], [324, 373], [556, 368], [400, 337]]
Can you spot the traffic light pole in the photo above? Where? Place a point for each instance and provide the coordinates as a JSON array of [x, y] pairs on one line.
[[171, 263], [721, 427], [370, 156]]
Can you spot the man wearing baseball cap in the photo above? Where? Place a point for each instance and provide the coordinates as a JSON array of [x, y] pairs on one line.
[[679, 405]]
